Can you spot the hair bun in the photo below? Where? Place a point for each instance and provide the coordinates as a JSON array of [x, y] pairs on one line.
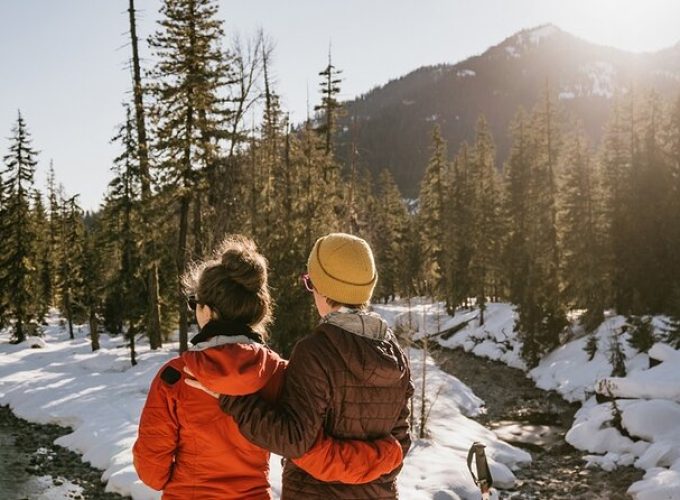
[[245, 269]]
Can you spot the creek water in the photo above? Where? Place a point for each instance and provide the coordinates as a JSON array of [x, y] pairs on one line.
[[15, 480], [32, 467], [537, 421]]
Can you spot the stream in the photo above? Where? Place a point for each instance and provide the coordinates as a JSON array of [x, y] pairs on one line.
[[537, 421], [32, 467]]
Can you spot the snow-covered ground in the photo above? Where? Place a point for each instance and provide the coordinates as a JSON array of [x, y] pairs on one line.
[[101, 396], [647, 399]]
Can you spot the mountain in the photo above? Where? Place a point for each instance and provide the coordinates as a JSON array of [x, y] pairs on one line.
[[392, 124]]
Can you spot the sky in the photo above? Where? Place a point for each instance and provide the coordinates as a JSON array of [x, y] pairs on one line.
[[63, 63]]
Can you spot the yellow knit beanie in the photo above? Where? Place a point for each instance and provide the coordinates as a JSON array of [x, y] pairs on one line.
[[341, 268]]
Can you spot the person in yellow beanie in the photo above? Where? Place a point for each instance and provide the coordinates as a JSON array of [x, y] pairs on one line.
[[342, 269], [348, 379]]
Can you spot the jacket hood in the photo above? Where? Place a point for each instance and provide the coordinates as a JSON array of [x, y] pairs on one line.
[[365, 324], [373, 354], [232, 364]]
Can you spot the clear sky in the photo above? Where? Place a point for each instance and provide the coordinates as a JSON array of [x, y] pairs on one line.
[[62, 62]]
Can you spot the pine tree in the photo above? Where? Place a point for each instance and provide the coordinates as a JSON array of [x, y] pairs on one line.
[[91, 291], [18, 258], [615, 164], [70, 258], [541, 314], [432, 199], [53, 230], [516, 209], [150, 263], [459, 231], [189, 80], [330, 107], [124, 201], [641, 330], [43, 254], [673, 150], [485, 218], [651, 181], [390, 238], [581, 234]]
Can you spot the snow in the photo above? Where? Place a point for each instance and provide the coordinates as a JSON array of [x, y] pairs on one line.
[[101, 396], [566, 95], [495, 340], [512, 51], [542, 32], [647, 399], [51, 491], [465, 72], [436, 467], [600, 78]]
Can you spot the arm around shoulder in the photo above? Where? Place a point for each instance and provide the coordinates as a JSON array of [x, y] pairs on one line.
[[289, 427]]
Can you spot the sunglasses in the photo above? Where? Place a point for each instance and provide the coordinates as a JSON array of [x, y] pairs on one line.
[[306, 282], [192, 302]]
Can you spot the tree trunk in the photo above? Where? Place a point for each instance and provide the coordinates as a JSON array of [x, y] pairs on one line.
[[94, 333], [69, 316], [181, 253], [198, 231], [21, 336], [423, 409], [131, 339], [153, 314]]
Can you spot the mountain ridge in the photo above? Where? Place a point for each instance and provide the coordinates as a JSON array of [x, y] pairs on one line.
[[391, 123]]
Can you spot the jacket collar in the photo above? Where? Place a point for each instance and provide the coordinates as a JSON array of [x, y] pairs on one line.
[[362, 323], [225, 328]]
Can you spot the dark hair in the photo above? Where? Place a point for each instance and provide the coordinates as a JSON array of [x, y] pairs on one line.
[[233, 283]]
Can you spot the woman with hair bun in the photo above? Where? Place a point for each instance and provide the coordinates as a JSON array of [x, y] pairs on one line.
[[186, 445]]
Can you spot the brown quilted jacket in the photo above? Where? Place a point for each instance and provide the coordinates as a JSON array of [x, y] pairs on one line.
[[349, 378]]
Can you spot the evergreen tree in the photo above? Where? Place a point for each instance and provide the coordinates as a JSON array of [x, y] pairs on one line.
[[516, 209], [673, 150], [92, 288], [18, 259], [150, 263], [53, 230], [460, 229], [390, 238], [485, 218], [43, 254], [615, 164], [124, 201], [580, 235], [541, 314], [189, 82], [330, 107], [69, 281], [651, 180], [432, 199]]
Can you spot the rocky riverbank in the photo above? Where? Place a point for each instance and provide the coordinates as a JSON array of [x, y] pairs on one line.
[[33, 467], [537, 421]]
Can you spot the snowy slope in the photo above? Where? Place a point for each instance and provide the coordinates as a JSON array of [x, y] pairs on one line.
[[648, 399], [101, 396]]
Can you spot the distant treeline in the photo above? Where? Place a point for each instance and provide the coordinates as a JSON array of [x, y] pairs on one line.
[[561, 228]]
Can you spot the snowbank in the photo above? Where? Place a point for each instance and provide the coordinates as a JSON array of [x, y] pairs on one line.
[[101, 396], [436, 467], [641, 427]]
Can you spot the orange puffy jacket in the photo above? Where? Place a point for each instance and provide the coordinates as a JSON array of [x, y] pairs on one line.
[[190, 449]]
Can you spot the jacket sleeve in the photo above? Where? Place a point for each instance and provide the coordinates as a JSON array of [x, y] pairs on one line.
[[402, 429], [291, 426], [154, 450], [351, 461]]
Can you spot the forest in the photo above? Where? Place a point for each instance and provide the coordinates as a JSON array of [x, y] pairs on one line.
[[564, 227]]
